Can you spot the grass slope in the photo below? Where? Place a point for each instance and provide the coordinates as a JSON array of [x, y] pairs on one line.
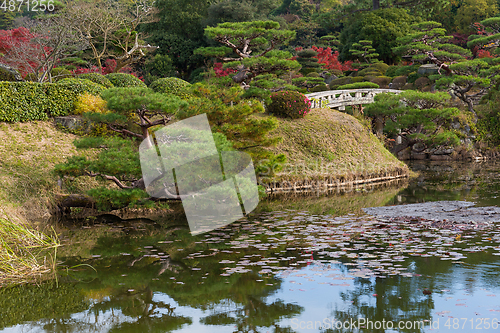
[[327, 143], [28, 153]]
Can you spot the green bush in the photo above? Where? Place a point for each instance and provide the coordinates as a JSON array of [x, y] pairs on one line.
[[320, 87], [359, 85], [60, 73], [289, 104], [340, 81], [382, 81], [391, 71], [22, 101], [124, 80], [380, 66], [171, 85], [27, 101], [369, 71], [406, 70], [97, 78], [412, 77]]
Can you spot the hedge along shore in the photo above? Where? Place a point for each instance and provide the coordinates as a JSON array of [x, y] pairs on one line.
[[328, 150]]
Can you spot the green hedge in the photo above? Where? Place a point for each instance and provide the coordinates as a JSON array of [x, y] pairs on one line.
[[359, 85], [97, 78], [171, 85], [124, 80], [26, 101]]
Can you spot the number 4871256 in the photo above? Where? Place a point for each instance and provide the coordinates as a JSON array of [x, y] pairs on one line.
[[29, 5]]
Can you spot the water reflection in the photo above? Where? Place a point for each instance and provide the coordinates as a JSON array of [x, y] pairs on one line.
[[294, 267]]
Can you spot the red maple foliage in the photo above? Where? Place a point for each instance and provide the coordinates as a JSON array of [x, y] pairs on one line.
[[219, 71], [329, 59], [25, 51], [483, 54]]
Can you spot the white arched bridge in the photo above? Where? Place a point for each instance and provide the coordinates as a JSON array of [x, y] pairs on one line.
[[341, 98]]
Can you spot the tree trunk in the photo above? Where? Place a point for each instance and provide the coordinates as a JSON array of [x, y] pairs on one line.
[[66, 201], [376, 4]]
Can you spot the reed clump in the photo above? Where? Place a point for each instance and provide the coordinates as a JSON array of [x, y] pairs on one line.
[[26, 255]]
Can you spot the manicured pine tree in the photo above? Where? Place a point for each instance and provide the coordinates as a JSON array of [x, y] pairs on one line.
[[250, 47], [364, 53], [419, 117]]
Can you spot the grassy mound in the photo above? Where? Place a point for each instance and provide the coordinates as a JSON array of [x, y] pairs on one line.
[[327, 144], [28, 153]]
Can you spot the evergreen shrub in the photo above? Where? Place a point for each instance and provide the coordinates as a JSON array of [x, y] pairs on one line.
[[27, 101], [124, 80], [359, 85], [171, 85], [289, 104], [97, 78]]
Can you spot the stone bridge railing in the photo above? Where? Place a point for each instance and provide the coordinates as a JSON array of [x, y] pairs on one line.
[[341, 98]]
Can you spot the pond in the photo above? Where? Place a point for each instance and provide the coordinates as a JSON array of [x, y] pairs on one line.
[[299, 264]]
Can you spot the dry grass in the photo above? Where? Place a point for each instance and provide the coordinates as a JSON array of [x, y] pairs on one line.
[[24, 253], [28, 153], [327, 143]]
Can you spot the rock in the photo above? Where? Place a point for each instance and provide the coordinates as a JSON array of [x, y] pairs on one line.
[[404, 154], [440, 157], [443, 151], [418, 156], [428, 69], [73, 123], [329, 79]]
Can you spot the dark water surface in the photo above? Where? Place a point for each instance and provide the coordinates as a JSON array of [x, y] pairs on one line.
[[300, 264]]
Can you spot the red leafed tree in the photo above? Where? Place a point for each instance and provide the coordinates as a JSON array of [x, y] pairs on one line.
[[330, 59], [38, 46], [19, 51]]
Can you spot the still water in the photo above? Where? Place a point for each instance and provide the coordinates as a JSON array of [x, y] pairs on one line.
[[300, 264]]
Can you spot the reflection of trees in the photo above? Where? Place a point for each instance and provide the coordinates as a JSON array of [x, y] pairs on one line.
[[254, 312], [341, 202], [123, 287], [454, 181], [397, 298]]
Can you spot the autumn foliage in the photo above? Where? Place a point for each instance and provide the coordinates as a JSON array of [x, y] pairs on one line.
[[18, 50], [329, 59]]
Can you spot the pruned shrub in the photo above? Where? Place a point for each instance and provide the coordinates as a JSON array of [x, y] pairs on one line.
[[382, 81], [289, 104], [90, 103], [27, 101], [63, 94], [171, 85], [97, 78], [380, 66], [320, 87], [340, 81], [369, 71], [422, 82], [124, 80], [60, 73], [398, 82], [359, 85]]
